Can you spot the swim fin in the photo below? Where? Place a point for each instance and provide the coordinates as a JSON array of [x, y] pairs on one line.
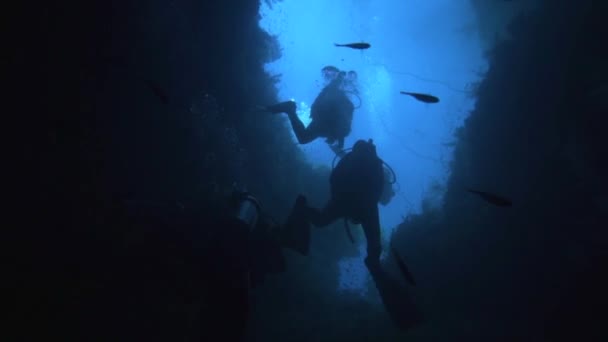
[[296, 231], [403, 268]]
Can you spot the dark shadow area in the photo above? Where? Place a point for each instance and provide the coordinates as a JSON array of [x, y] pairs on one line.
[[124, 104]]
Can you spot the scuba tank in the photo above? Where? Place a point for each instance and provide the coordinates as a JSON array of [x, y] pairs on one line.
[[259, 251], [390, 179], [360, 156], [246, 209]]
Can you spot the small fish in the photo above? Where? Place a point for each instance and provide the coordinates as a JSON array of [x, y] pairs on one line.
[[422, 97], [404, 270], [497, 200], [158, 91], [358, 46]]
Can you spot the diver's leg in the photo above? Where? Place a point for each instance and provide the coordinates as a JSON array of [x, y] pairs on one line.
[[296, 230], [303, 134], [371, 227], [326, 216], [282, 107]]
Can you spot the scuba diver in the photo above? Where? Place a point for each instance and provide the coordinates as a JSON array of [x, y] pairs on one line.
[[331, 112], [230, 246], [226, 247], [244, 246], [357, 184]]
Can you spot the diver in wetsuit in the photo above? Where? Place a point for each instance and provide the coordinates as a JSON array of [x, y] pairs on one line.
[[356, 183], [331, 112], [240, 249]]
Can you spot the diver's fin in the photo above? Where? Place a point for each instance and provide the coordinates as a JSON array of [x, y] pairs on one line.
[[403, 268], [296, 231], [348, 232], [282, 107]]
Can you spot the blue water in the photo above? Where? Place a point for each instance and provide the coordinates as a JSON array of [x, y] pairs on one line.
[[419, 46]]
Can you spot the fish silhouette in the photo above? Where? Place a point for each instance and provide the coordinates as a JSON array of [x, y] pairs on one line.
[[357, 46], [403, 268], [497, 200]]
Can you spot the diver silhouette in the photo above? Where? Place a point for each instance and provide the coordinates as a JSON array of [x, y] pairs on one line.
[[357, 184], [331, 112]]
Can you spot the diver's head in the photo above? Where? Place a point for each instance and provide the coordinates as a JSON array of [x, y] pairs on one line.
[[352, 75], [363, 147]]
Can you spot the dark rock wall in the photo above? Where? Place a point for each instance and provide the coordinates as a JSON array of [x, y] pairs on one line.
[[535, 136]]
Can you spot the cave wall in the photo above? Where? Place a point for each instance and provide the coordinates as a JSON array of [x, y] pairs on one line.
[[532, 270], [102, 96]]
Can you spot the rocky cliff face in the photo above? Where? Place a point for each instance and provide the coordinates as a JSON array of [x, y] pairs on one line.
[[533, 137]]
